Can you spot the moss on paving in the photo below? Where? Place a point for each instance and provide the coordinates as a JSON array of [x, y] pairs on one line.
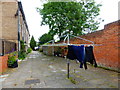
[[73, 80], [112, 86]]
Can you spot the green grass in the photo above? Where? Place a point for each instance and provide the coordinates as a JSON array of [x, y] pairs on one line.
[[112, 86], [106, 68], [73, 80]]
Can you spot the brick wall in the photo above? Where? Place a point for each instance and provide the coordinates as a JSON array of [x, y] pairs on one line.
[[107, 53], [3, 63], [0, 26], [106, 50], [0, 19], [9, 21]]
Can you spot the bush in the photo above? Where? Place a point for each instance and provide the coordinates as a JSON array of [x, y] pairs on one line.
[[22, 45], [29, 50], [40, 50], [22, 55], [14, 54], [11, 60]]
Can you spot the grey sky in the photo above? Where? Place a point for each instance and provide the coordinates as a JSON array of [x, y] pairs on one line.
[[109, 12]]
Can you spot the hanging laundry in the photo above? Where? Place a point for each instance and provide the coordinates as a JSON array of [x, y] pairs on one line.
[[70, 54], [79, 52], [76, 52], [82, 54], [89, 57]]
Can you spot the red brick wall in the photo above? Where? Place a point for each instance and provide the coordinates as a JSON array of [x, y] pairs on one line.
[[3, 63], [107, 54]]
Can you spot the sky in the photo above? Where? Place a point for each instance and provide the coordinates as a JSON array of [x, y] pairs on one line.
[[109, 13]]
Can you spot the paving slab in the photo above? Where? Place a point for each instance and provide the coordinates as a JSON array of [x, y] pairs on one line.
[[41, 71]]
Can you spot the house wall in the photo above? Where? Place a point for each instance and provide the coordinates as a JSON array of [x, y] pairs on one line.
[[9, 21], [9, 27], [0, 26], [0, 19], [24, 34]]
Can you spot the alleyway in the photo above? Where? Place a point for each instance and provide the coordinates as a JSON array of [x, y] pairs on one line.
[[41, 71]]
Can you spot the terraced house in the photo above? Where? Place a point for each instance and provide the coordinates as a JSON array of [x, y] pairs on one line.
[[13, 27]]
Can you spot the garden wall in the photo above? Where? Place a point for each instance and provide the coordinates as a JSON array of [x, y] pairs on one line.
[[3, 63], [106, 53]]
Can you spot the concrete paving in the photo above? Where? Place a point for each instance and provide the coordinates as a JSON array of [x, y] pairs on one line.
[[41, 71]]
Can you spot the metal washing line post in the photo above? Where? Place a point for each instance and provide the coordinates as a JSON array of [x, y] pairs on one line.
[[68, 43], [68, 61]]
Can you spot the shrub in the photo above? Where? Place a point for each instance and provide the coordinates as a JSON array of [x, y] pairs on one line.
[[22, 55], [14, 54], [11, 60], [40, 50], [22, 45], [29, 50]]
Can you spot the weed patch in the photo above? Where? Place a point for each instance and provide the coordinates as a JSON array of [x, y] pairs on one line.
[[73, 80]]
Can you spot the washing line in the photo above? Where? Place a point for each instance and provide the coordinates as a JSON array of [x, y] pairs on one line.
[[68, 41]]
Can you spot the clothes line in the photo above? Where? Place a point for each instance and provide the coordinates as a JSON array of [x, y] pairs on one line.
[[68, 41], [82, 39], [72, 44], [53, 41], [67, 37]]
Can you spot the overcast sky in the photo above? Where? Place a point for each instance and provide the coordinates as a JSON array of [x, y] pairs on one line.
[[109, 12]]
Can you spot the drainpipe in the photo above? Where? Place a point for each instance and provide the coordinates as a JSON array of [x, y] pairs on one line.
[[18, 29]]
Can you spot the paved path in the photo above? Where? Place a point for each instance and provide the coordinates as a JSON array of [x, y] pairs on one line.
[[41, 71]]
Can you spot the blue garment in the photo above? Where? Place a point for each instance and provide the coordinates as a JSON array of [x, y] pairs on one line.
[[82, 54], [71, 55], [79, 53], [89, 56]]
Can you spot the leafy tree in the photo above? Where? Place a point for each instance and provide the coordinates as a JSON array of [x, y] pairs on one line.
[[45, 38], [70, 17], [32, 43]]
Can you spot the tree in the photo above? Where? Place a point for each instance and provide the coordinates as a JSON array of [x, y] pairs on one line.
[[45, 38], [70, 17], [32, 43]]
